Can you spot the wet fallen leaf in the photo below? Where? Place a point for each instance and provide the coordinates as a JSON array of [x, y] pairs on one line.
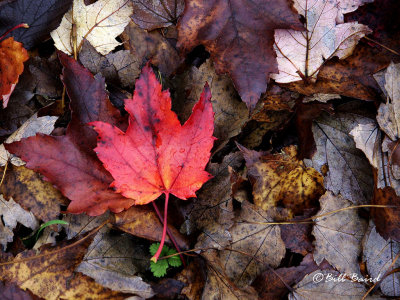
[[193, 276], [68, 161], [324, 38], [42, 16], [349, 173], [29, 190], [262, 243], [114, 262], [152, 46], [282, 180], [387, 219], [379, 254], [12, 58], [50, 275], [119, 67], [230, 113], [239, 40], [100, 23], [150, 15], [308, 289], [338, 236], [10, 291]]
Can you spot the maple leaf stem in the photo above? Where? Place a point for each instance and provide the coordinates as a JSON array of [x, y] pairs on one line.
[[24, 25], [169, 233], [157, 255]]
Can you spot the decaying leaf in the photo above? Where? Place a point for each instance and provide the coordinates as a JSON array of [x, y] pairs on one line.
[[41, 15], [338, 236], [379, 254], [212, 212], [12, 213], [100, 23], [119, 67], [114, 261], [150, 14], [152, 46], [349, 173], [10, 291], [282, 180], [31, 127], [239, 40], [29, 190], [300, 54], [50, 275], [230, 113], [219, 286], [12, 58], [262, 243], [310, 289]]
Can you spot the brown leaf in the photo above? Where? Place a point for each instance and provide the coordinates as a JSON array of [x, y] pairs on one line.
[[143, 222], [338, 236], [239, 40], [282, 180], [219, 286], [255, 239], [193, 276], [51, 274], [387, 219], [230, 112], [379, 255], [151, 45], [29, 190], [348, 172], [274, 285], [10, 291], [150, 15]]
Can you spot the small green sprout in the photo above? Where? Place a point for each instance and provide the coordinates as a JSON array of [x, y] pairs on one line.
[[159, 269]]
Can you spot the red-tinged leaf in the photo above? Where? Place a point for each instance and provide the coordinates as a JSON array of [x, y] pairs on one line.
[[239, 35], [69, 161], [12, 57], [157, 155]]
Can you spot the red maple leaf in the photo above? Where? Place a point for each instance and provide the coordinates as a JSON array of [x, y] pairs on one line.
[[157, 155]]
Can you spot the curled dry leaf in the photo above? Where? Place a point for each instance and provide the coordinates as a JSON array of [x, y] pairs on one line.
[[261, 242], [12, 57], [100, 23], [281, 179], [379, 254], [239, 40], [150, 14], [50, 274], [348, 172], [338, 236], [300, 54], [230, 113]]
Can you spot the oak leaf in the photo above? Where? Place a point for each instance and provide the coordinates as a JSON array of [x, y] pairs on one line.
[[300, 54], [100, 23], [239, 36], [12, 57]]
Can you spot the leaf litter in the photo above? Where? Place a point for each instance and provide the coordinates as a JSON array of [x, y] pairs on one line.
[[313, 191]]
